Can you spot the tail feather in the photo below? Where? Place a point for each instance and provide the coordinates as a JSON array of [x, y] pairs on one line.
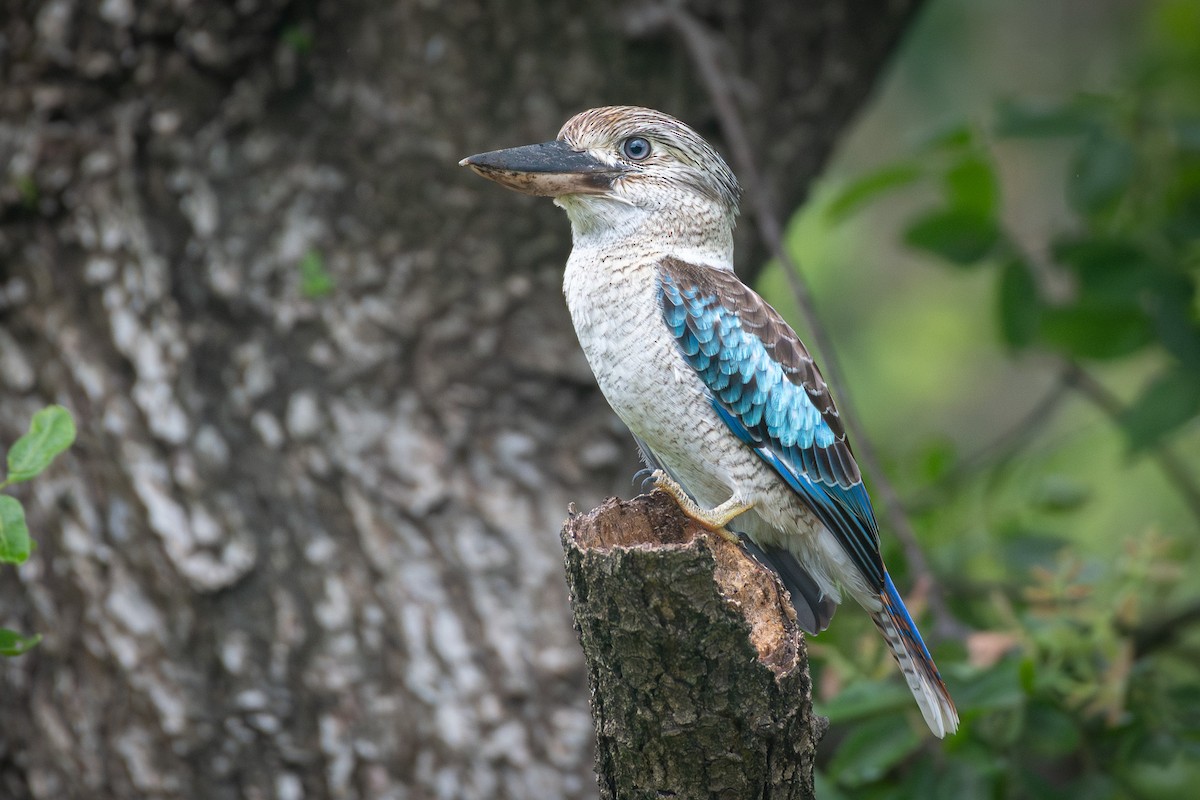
[[910, 653]]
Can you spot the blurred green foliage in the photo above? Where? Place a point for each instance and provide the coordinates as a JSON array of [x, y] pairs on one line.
[[315, 280], [51, 431], [1080, 674], [1128, 271]]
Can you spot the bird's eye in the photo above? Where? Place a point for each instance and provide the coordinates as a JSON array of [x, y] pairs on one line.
[[636, 148]]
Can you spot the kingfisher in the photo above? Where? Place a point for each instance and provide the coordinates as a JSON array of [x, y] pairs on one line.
[[723, 399]]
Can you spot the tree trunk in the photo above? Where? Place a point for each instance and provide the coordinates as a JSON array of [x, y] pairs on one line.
[[698, 673], [330, 407]]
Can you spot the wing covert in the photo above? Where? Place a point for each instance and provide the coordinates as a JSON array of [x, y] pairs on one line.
[[767, 389]]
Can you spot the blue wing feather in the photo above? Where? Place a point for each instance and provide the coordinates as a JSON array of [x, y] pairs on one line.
[[765, 387]]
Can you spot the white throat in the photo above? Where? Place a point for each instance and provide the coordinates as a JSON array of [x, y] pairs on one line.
[[613, 226]]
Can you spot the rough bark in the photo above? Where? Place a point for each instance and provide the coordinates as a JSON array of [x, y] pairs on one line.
[[698, 674], [304, 545]]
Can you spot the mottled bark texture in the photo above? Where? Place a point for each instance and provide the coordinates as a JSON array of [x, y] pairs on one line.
[[697, 669], [304, 546]]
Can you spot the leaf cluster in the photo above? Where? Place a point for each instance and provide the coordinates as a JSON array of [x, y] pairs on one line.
[[51, 431], [1059, 698], [1121, 283]]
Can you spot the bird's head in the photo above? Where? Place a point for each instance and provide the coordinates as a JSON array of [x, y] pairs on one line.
[[621, 166]]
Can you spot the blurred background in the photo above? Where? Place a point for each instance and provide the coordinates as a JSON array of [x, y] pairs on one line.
[[1031, 388], [331, 412]]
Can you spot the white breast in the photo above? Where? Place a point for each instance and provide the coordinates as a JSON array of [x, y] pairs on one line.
[[614, 305]]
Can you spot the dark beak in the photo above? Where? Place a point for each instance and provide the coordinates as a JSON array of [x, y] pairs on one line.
[[550, 169]]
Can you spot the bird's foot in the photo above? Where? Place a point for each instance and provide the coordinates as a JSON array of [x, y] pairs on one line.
[[714, 519]]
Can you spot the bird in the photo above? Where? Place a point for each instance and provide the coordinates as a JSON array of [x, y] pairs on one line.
[[725, 403]]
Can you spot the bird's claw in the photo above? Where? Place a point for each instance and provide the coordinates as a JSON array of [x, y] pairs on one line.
[[645, 475]]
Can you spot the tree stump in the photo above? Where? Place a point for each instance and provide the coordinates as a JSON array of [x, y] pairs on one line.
[[698, 673]]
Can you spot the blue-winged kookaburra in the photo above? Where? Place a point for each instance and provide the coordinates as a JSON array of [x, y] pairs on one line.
[[719, 392]]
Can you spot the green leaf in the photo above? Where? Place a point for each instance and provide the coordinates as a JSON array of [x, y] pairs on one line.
[[1027, 674], [297, 37], [1100, 174], [1036, 787], [28, 189], [1155, 746], [1181, 200], [1095, 786], [958, 235], [14, 644], [825, 788], [999, 728], [873, 748], [973, 772], [14, 535], [1092, 254], [859, 192], [1187, 133], [995, 689], [926, 777], [1058, 492], [315, 281], [51, 431], [1184, 700], [867, 699], [1049, 731], [971, 185], [1177, 777], [937, 460], [1100, 332], [1029, 548], [1019, 119], [949, 139], [1020, 306], [1171, 400], [1178, 331], [1111, 271]]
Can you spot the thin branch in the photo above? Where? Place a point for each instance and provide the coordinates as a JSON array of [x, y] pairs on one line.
[[1006, 445], [704, 51], [1174, 469]]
